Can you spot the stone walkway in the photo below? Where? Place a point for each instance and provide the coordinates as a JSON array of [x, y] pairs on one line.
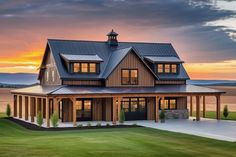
[[210, 128]]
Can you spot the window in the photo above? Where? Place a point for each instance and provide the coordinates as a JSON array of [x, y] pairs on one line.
[[92, 67], [129, 77], [84, 67], [47, 76], [133, 104], [167, 68], [160, 68], [53, 76], [168, 104], [76, 67], [173, 68]]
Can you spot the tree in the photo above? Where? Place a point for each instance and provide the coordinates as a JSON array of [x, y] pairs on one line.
[[55, 119], [226, 111], [8, 110], [122, 116], [40, 119]]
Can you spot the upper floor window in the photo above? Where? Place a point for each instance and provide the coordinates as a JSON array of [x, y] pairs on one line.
[[167, 68], [84, 67], [129, 76]]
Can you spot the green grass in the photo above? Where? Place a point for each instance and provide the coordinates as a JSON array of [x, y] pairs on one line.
[[138, 142], [212, 114], [2, 114]]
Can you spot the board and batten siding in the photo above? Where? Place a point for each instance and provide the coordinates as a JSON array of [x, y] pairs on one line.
[[50, 70], [131, 61]]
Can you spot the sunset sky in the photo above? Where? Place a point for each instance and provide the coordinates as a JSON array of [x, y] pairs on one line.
[[203, 32]]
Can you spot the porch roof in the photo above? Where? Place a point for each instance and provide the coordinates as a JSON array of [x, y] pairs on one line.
[[77, 90]]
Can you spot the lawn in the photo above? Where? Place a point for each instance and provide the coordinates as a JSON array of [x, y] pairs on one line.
[[138, 142], [212, 114]]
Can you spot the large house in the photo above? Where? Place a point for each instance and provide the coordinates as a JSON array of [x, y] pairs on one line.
[[94, 80]]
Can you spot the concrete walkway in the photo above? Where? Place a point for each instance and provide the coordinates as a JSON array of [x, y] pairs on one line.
[[210, 128]]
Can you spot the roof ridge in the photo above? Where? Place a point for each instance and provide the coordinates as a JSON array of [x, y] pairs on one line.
[[134, 42]]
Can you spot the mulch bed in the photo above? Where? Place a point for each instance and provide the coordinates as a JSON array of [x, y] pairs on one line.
[[34, 127]]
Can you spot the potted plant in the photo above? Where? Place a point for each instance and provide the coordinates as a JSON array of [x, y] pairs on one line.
[[122, 116], [162, 116]]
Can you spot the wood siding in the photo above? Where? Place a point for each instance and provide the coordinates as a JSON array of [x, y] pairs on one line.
[[181, 103], [150, 108], [131, 61], [83, 83], [50, 68], [97, 109], [67, 108]]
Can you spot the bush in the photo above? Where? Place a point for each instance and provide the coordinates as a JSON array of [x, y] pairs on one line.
[[80, 125], [162, 114], [89, 124], [226, 111], [54, 119], [8, 110], [122, 116], [40, 119], [108, 124], [99, 124]]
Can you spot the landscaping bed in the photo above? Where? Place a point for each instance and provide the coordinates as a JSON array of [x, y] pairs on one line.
[[35, 127]]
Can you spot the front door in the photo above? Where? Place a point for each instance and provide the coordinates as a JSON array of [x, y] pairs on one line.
[[134, 108], [84, 110]]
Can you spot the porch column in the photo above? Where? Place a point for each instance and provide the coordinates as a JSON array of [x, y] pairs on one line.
[[218, 107], [47, 112], [204, 107], [32, 105], [119, 107], [20, 106], [157, 109], [41, 106], [29, 108], [26, 107], [36, 106], [191, 106], [15, 106], [114, 116], [197, 108], [55, 106], [74, 112]]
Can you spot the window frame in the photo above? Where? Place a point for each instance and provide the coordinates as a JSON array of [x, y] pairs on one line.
[[164, 68], [88, 67], [169, 99], [129, 77]]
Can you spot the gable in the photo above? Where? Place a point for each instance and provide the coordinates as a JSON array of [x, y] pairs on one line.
[[131, 61]]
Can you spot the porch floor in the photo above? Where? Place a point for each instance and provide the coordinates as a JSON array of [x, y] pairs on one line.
[[224, 130]]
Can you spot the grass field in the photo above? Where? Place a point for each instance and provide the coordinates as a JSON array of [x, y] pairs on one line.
[[138, 142], [212, 114]]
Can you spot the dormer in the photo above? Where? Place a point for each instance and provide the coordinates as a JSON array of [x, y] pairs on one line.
[[82, 64], [112, 38], [164, 65]]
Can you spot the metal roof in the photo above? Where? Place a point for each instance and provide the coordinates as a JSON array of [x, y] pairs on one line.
[[161, 89], [75, 57], [36, 90], [155, 59], [106, 53], [78, 90]]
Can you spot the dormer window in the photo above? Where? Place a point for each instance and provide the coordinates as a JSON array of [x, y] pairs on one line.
[[85, 68], [167, 68]]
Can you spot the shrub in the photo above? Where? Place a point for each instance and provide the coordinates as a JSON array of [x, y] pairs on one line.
[[55, 119], [80, 125], [162, 114], [89, 124], [134, 124], [108, 124], [8, 110], [122, 116], [99, 124], [226, 111], [40, 119]]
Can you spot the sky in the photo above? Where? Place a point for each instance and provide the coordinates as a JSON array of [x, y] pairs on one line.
[[203, 32]]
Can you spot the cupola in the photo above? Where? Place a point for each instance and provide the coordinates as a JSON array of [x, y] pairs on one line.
[[112, 38]]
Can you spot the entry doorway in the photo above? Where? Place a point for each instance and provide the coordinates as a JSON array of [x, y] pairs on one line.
[[83, 109]]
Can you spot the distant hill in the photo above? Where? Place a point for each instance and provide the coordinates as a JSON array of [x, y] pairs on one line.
[[17, 79], [212, 82]]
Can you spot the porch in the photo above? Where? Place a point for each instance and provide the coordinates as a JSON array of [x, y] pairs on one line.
[[103, 104]]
